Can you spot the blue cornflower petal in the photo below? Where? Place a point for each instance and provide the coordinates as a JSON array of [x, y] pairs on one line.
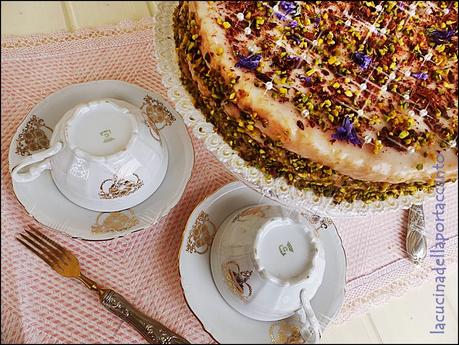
[[440, 36], [346, 132], [316, 21], [250, 62], [280, 16], [287, 6], [362, 60], [420, 75], [304, 79]]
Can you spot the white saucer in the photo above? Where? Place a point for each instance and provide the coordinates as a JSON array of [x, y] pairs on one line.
[[43, 201], [220, 320]]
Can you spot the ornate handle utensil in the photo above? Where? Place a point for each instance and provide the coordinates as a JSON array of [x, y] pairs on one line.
[[66, 264], [150, 329], [416, 242], [311, 330]]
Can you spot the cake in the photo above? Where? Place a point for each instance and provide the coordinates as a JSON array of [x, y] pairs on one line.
[[352, 100]]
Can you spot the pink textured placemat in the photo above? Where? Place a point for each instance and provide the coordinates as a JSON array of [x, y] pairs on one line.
[[38, 306]]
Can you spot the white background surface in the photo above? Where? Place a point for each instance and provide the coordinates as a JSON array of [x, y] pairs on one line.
[[403, 320]]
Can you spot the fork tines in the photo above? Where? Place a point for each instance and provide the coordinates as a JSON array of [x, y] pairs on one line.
[[41, 245]]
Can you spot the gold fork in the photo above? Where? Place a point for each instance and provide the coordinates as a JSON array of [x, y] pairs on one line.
[[66, 264]]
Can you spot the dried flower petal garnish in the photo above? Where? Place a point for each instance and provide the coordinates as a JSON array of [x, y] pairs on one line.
[[420, 75], [439, 36], [249, 62], [305, 80], [287, 7], [346, 132], [362, 60], [316, 21]]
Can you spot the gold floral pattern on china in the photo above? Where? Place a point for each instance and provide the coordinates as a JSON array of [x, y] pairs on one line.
[[119, 187], [156, 114], [114, 221], [318, 221], [237, 280], [33, 137], [253, 211], [201, 234], [285, 332]]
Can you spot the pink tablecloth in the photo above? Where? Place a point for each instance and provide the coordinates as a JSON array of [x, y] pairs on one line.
[[39, 306]]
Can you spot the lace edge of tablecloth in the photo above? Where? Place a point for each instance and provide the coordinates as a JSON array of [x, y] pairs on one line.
[[359, 305], [15, 46]]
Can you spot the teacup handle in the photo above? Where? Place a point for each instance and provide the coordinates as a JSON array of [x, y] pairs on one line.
[[310, 326], [41, 161]]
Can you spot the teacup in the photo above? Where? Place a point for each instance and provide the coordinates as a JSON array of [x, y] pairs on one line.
[[105, 155], [267, 263]]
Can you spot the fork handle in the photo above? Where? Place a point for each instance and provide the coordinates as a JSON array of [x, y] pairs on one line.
[[153, 331]]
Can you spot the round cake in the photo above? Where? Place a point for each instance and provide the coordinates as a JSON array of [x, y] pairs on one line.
[[353, 100]]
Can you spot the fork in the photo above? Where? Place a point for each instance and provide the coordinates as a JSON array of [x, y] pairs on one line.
[[66, 264]]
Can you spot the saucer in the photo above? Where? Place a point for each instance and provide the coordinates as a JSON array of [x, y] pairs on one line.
[[218, 318], [44, 202]]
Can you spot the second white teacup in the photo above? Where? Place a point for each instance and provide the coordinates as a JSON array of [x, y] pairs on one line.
[[104, 156], [268, 264]]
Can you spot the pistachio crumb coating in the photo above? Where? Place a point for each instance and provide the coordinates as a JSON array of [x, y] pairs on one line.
[[330, 91]]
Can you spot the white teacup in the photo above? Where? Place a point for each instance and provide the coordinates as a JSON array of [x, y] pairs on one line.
[[268, 264], [105, 155]]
